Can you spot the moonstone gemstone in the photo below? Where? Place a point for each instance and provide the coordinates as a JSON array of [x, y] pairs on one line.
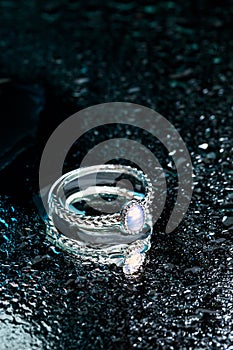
[[135, 218], [133, 262]]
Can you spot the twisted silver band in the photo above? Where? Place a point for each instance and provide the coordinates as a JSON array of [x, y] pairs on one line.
[[67, 189]]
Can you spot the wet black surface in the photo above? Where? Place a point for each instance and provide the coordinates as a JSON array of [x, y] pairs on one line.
[[177, 59], [21, 105]]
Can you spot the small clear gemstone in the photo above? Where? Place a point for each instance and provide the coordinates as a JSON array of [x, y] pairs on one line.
[[135, 218]]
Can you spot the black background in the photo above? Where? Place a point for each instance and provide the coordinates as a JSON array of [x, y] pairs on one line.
[[175, 57]]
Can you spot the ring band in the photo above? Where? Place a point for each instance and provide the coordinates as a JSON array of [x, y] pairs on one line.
[[135, 209], [75, 222]]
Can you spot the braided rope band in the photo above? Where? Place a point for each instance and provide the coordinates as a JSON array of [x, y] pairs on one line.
[[118, 219]]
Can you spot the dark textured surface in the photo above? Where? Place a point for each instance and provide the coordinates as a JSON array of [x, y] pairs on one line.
[[17, 132], [177, 59]]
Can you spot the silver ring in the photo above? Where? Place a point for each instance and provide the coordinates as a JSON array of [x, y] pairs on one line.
[[116, 232], [134, 210]]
